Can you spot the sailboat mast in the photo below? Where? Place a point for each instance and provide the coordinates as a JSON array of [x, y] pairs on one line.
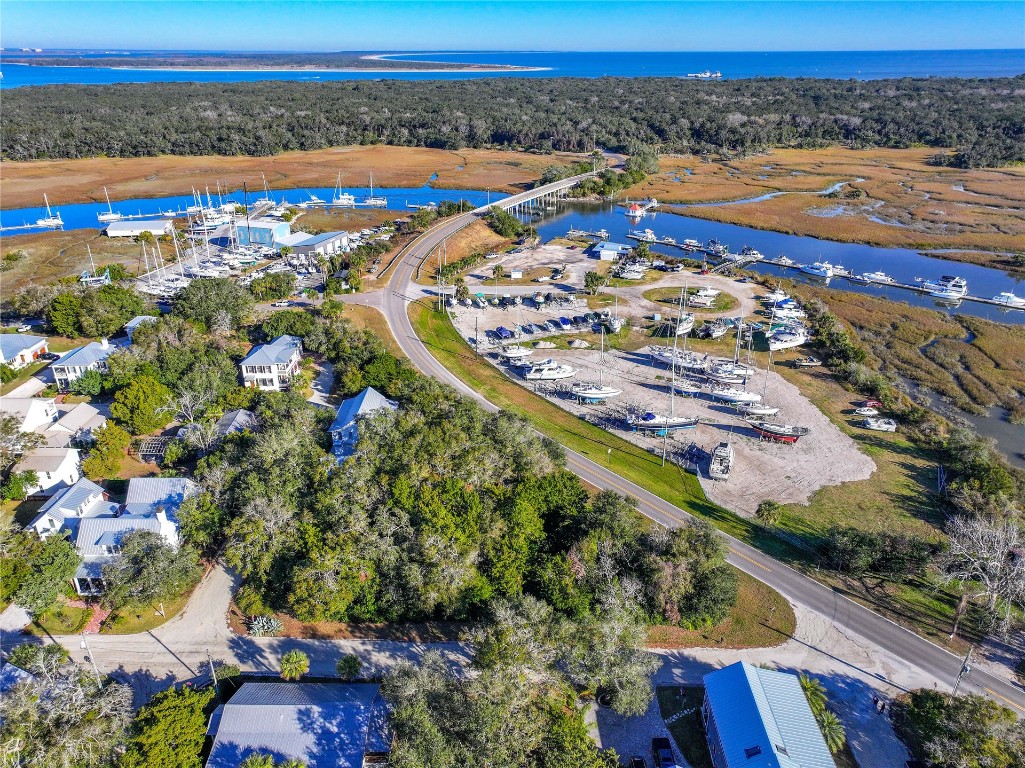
[[676, 344], [109, 206]]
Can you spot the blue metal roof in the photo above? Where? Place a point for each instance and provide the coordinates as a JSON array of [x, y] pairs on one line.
[[148, 494], [344, 429], [764, 720], [85, 356], [13, 344], [606, 245]]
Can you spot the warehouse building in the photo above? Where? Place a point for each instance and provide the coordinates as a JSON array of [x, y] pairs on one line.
[[155, 227]]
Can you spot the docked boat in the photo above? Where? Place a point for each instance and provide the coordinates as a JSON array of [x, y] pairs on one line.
[[342, 199], [644, 235], [691, 244], [948, 287], [716, 248], [733, 395], [785, 261], [1008, 299], [374, 202], [819, 269], [787, 338], [866, 410], [50, 221], [515, 351], [877, 277], [110, 214], [549, 372], [757, 409], [807, 362], [722, 462], [880, 425], [750, 254], [658, 422], [784, 433], [706, 75]]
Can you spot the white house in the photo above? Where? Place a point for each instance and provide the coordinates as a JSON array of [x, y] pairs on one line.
[[345, 428], [18, 349], [134, 228], [96, 525], [32, 412], [272, 366], [135, 322], [74, 426], [91, 357], [55, 468], [607, 251]]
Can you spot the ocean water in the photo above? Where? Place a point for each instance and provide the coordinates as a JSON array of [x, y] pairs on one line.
[[862, 65]]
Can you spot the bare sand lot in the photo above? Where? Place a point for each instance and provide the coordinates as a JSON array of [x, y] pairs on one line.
[[79, 181]]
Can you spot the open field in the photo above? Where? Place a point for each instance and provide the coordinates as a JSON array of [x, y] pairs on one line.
[[892, 197], [371, 319], [57, 254], [317, 220], [78, 181]]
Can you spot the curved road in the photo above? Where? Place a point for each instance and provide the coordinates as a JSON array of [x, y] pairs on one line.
[[915, 651]]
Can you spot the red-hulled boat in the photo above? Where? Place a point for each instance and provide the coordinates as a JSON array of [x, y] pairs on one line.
[[783, 433]]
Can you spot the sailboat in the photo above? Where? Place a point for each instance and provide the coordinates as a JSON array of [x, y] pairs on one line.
[[374, 202], [51, 221], [662, 423], [591, 392], [110, 214], [342, 199], [721, 384]]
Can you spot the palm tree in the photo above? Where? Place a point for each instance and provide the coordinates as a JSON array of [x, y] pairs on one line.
[[815, 693], [832, 731], [462, 291], [294, 665]]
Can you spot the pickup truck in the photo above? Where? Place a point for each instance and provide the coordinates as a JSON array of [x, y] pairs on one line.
[[662, 751]]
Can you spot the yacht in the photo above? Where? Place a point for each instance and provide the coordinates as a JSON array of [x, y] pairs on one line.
[[818, 269], [787, 338], [722, 462], [550, 372], [748, 253], [1008, 299], [757, 409], [947, 287], [645, 235], [594, 392], [691, 245], [733, 395], [707, 291], [783, 433], [342, 199], [110, 214], [877, 277], [515, 351], [776, 297], [687, 387]]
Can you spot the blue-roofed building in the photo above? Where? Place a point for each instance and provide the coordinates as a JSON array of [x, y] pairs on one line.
[[324, 244], [73, 365], [68, 507], [608, 251], [345, 428], [760, 718], [149, 495], [322, 725], [272, 366], [267, 232], [19, 349]]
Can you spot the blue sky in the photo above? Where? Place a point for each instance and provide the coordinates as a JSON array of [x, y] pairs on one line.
[[623, 25]]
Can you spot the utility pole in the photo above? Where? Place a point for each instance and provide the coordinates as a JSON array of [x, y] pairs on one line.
[[92, 660], [213, 670], [966, 669]]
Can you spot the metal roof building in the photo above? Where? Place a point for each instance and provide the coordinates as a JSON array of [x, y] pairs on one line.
[[760, 718], [149, 495], [345, 428], [323, 725], [156, 227], [18, 349]]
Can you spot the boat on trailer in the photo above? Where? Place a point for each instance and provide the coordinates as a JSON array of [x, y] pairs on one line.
[[783, 433], [722, 462]]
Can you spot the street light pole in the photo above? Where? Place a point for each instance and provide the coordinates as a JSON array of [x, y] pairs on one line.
[[92, 660], [966, 669]]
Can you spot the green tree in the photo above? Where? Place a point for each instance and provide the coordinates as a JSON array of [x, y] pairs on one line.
[[294, 664], [18, 485], [142, 406], [64, 313], [14, 442], [815, 693], [89, 383], [104, 311], [169, 730], [290, 323], [769, 512], [462, 290], [594, 282], [202, 299], [39, 659], [277, 285], [832, 731], [348, 666], [52, 567], [422, 219], [148, 570], [105, 457]]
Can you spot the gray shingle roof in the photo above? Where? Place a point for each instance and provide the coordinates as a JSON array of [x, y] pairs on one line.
[[13, 344], [322, 724], [236, 421], [82, 416], [277, 352], [148, 494], [766, 710], [46, 459]]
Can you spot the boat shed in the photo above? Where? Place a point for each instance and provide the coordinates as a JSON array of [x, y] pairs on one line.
[[760, 718], [155, 227], [267, 232], [324, 244], [607, 251]]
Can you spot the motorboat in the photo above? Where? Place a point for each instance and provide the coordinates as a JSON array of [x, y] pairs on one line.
[[819, 269], [880, 425], [708, 291], [644, 235], [515, 351], [877, 277], [757, 409], [731, 366], [784, 433], [614, 324], [776, 296], [658, 422], [949, 287], [550, 373], [714, 330], [787, 338], [721, 465], [750, 254], [1008, 299], [785, 261], [807, 362], [691, 245], [866, 411], [733, 395]]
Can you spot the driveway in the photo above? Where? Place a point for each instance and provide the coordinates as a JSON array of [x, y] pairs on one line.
[[321, 384]]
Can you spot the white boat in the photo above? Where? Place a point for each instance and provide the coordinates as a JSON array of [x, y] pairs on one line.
[[110, 214], [877, 277], [687, 387], [733, 395], [688, 360], [591, 392], [632, 274], [706, 291], [723, 365], [1008, 299], [948, 287], [787, 339], [644, 235], [786, 261], [722, 462], [515, 351], [725, 377], [550, 373], [776, 297], [660, 422], [342, 199], [372, 201], [880, 425], [866, 411], [50, 221], [684, 324], [818, 269], [757, 409], [691, 244]]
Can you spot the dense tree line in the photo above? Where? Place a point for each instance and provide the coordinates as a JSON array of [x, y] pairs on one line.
[[984, 119]]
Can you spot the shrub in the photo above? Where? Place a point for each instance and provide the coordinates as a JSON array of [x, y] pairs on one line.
[[349, 666], [265, 626]]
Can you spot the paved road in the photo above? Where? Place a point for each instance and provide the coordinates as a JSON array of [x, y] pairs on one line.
[[937, 663]]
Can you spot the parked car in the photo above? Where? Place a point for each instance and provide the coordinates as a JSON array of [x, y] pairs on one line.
[[662, 751], [24, 328], [280, 304], [49, 356]]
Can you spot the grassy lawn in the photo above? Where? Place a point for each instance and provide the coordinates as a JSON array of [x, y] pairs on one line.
[[687, 729], [373, 320], [671, 296], [62, 620], [762, 618], [133, 619]]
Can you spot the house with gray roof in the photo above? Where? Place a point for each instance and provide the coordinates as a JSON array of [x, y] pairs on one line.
[[99, 539], [322, 725], [272, 366], [345, 428], [238, 420], [73, 365], [55, 468], [760, 718], [66, 508], [74, 426], [32, 412], [18, 349], [149, 495]]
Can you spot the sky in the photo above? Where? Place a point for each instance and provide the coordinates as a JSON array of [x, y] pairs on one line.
[[553, 25]]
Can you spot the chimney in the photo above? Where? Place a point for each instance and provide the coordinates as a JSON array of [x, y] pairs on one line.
[[104, 343], [161, 517]]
